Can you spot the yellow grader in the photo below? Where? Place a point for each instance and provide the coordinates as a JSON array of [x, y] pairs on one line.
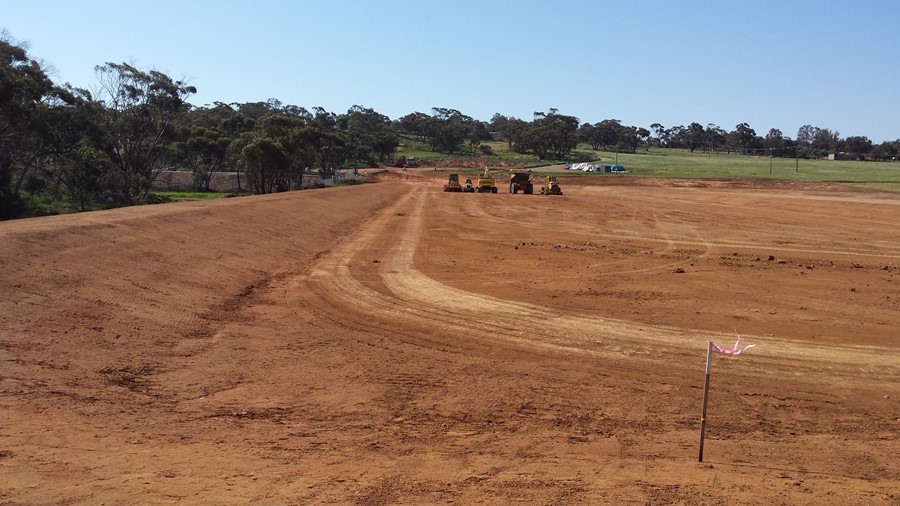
[[551, 187]]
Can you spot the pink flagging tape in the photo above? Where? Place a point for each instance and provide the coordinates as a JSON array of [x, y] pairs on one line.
[[736, 350]]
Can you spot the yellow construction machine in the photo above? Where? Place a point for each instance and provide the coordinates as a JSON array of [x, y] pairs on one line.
[[521, 182], [551, 187], [453, 184], [485, 183]]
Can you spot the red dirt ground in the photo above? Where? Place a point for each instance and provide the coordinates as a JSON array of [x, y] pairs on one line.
[[391, 343]]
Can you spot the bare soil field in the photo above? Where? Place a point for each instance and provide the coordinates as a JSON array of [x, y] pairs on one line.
[[390, 343]]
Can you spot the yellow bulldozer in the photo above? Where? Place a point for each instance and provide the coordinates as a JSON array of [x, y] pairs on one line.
[[453, 184], [551, 187]]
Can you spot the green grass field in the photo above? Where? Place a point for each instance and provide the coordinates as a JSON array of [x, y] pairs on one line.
[[682, 163], [189, 195]]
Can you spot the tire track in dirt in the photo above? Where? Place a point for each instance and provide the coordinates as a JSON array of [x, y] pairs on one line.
[[588, 194], [410, 296], [415, 297], [892, 248], [542, 326], [649, 217]]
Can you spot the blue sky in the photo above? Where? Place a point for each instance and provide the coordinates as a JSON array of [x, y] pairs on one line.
[[772, 64]]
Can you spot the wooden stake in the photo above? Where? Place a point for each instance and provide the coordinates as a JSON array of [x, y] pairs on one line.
[[705, 399]]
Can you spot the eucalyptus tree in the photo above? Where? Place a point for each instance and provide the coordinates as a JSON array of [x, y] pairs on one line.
[[256, 110], [887, 150], [324, 120], [202, 138], [660, 132], [585, 134], [266, 165], [447, 129], [516, 130], [203, 150], [715, 136], [774, 141], [858, 145], [696, 136], [805, 137], [414, 123], [139, 110], [744, 138], [476, 134], [87, 173], [370, 134], [552, 135], [631, 137], [608, 132], [825, 141], [24, 85], [677, 137], [500, 126]]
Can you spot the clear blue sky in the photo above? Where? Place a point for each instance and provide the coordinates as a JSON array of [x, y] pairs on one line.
[[772, 64]]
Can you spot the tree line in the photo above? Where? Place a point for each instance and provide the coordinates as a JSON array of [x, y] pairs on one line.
[[108, 145], [810, 142]]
